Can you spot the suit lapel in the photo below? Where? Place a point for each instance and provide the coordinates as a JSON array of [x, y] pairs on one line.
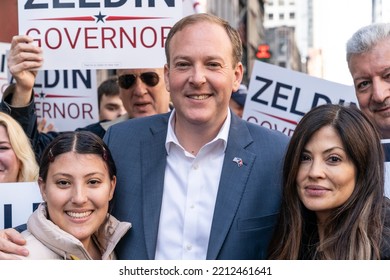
[[232, 184], [153, 171]]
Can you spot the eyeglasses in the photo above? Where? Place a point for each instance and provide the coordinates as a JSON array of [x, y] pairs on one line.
[[149, 78]]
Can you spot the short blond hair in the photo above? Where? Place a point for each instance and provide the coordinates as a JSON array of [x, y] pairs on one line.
[[22, 148]]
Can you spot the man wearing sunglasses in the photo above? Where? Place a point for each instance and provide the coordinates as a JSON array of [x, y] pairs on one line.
[[143, 94], [142, 91]]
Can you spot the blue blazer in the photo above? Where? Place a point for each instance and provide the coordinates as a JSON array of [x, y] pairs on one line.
[[248, 197]]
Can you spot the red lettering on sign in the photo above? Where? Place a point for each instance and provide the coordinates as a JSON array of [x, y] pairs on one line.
[[63, 110], [90, 37], [154, 37], [108, 34], [56, 37], [100, 37], [72, 44]]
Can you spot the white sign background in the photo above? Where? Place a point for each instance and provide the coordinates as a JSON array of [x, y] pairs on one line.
[[4, 47], [67, 98], [97, 36], [387, 171], [21, 196], [278, 97]]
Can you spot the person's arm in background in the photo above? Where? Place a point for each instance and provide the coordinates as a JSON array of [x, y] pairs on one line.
[[18, 99], [23, 61]]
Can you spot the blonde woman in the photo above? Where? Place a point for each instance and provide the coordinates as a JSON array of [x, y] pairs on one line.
[[17, 159]]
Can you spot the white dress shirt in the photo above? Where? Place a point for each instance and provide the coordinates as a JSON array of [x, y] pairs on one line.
[[190, 190]]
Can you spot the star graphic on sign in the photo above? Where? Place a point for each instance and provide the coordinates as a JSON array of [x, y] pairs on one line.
[[42, 94], [100, 17]]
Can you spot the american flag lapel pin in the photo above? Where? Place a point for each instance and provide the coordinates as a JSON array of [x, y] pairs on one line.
[[238, 161]]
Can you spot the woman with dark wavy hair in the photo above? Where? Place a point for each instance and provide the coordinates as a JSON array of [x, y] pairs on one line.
[[333, 205]]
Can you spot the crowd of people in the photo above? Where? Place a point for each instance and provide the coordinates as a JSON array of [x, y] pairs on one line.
[[178, 174]]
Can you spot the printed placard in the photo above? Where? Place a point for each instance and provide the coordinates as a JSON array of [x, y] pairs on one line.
[[108, 34], [4, 47], [66, 98], [17, 202], [279, 97]]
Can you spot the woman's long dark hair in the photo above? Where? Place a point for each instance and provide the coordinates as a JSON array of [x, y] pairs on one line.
[[353, 230]]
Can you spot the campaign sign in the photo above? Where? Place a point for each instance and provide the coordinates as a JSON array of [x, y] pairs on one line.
[[4, 47], [17, 202], [99, 34], [278, 97], [386, 149], [66, 98]]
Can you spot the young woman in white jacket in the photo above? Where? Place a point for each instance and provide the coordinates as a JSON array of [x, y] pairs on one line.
[[77, 180]]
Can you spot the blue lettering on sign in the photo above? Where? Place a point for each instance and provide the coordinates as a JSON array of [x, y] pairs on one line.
[[30, 5], [8, 214], [83, 4], [170, 3], [267, 83], [51, 79], [59, 4], [2, 64], [278, 95], [282, 92]]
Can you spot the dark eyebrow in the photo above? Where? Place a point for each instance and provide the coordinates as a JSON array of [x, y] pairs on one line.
[[327, 150]]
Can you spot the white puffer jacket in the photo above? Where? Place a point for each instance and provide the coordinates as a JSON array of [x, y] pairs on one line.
[[45, 240]]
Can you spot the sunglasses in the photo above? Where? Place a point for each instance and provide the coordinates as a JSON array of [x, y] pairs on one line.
[[148, 78]]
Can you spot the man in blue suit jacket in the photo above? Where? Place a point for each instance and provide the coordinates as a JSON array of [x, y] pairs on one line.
[[248, 196], [199, 182], [154, 186]]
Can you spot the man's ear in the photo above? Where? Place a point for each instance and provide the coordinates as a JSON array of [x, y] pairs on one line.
[[166, 77], [238, 74]]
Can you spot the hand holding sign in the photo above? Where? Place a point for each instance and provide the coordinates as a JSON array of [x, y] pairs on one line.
[[23, 60]]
